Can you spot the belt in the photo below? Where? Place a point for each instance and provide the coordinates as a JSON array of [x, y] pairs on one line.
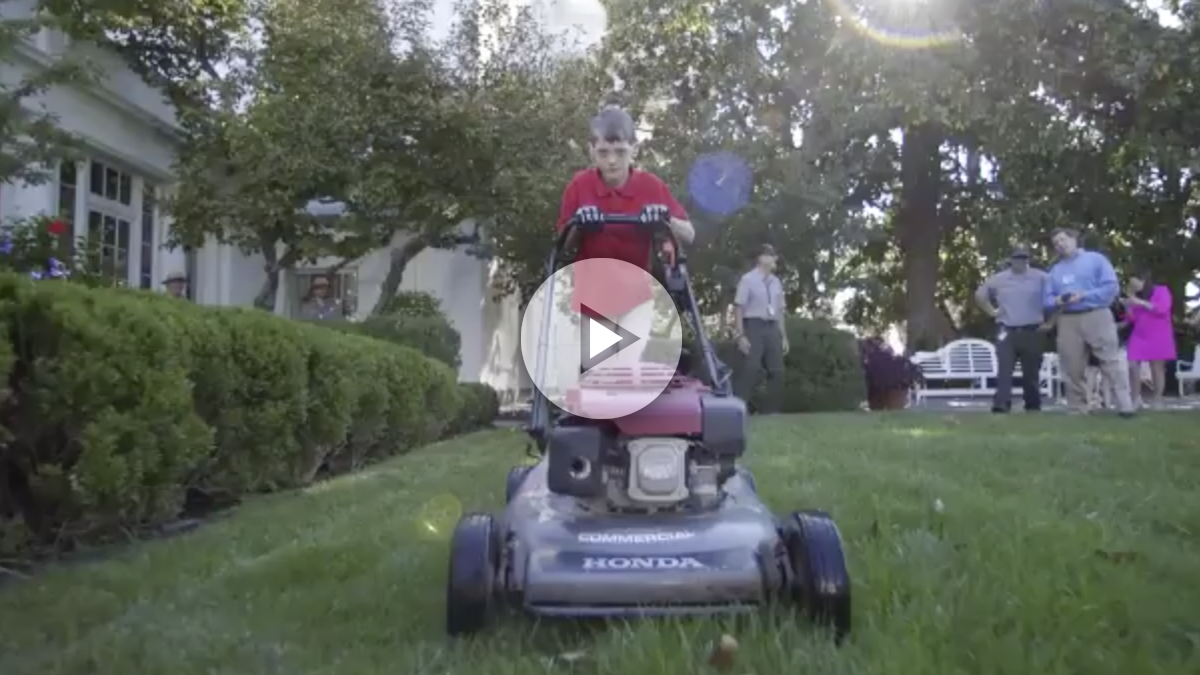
[[759, 319], [1031, 326], [1083, 311]]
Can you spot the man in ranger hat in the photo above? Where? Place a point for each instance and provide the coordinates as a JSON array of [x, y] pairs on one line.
[[758, 311], [1013, 297], [176, 283]]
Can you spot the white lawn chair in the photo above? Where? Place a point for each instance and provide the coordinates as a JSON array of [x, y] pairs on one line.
[[1048, 383], [1188, 372]]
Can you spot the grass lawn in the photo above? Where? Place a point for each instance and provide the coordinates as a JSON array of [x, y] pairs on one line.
[[1064, 545]]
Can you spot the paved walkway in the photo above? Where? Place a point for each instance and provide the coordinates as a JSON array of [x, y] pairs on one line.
[[518, 414], [984, 404]]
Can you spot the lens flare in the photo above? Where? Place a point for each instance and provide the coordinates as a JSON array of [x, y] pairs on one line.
[[438, 516], [904, 24], [720, 183]]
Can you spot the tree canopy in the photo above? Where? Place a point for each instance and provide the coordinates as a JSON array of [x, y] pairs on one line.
[[900, 148]]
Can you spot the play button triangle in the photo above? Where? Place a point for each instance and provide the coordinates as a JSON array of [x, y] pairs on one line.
[[601, 339]]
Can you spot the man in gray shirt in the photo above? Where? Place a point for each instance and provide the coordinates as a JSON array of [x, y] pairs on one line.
[[758, 313], [1014, 298]]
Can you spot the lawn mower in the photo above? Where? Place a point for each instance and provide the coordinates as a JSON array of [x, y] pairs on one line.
[[644, 515]]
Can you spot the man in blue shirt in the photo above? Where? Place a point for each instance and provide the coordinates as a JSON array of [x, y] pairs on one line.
[[1079, 289]]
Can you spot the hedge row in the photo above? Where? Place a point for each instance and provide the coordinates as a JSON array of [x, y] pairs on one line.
[[120, 405], [823, 369], [432, 335]]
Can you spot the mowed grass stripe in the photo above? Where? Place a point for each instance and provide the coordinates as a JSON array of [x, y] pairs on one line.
[[979, 544]]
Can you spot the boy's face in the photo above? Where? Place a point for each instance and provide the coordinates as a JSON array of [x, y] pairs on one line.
[[612, 158]]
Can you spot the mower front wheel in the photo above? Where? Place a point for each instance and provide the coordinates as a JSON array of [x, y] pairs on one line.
[[470, 584], [821, 583]]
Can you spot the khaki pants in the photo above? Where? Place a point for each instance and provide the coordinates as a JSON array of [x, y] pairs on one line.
[[1096, 332]]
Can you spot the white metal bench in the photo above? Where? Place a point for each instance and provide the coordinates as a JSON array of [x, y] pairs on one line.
[[970, 360], [975, 361], [1188, 372]]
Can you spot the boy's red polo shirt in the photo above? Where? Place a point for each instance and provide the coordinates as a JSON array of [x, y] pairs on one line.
[[613, 297]]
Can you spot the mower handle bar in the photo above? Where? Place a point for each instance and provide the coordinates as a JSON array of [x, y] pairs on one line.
[[540, 413], [607, 219]]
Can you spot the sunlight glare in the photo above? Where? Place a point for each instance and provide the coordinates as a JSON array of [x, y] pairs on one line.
[[903, 24]]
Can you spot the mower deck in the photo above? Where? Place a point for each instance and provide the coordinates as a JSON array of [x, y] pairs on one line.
[[561, 560]]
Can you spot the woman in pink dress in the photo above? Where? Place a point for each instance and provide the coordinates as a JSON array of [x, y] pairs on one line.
[[1152, 338]]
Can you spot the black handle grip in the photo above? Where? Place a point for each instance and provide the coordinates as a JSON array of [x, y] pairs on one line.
[[619, 219]]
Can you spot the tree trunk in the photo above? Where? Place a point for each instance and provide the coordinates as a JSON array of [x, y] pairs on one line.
[[400, 259], [270, 285], [273, 266], [918, 228]]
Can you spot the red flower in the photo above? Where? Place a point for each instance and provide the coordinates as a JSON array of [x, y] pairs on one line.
[[56, 227]]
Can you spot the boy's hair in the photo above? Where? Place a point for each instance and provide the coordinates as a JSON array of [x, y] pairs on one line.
[[612, 124]]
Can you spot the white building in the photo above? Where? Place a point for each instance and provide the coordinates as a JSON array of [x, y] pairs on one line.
[[130, 136]]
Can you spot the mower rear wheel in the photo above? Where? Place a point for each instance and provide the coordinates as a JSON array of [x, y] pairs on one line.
[[469, 586], [516, 476], [821, 583]]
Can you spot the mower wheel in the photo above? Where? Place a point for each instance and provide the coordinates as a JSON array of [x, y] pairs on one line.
[[516, 476], [469, 586], [821, 583]]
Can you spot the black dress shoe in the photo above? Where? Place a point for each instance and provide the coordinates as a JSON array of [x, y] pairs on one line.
[[1127, 414], [1000, 411]]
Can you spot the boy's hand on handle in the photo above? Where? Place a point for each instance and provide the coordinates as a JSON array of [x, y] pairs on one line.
[[655, 214], [589, 218]]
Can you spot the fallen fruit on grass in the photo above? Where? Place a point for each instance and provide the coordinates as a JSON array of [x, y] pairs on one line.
[[723, 651]]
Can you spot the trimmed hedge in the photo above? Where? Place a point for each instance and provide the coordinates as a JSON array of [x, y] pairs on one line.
[[433, 336], [479, 406], [123, 404], [823, 369]]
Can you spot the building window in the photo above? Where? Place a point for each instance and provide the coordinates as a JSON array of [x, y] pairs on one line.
[[119, 225], [109, 237], [111, 184], [343, 285], [146, 255]]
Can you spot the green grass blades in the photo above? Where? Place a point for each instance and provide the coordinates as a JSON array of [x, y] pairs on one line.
[[1017, 545]]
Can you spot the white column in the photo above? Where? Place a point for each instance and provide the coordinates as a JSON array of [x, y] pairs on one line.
[[133, 261], [224, 273], [82, 179]]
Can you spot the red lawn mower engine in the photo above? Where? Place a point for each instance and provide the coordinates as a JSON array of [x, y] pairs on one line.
[[674, 453]]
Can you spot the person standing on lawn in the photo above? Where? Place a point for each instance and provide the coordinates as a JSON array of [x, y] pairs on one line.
[[1013, 297], [1080, 289], [1152, 335], [758, 311]]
